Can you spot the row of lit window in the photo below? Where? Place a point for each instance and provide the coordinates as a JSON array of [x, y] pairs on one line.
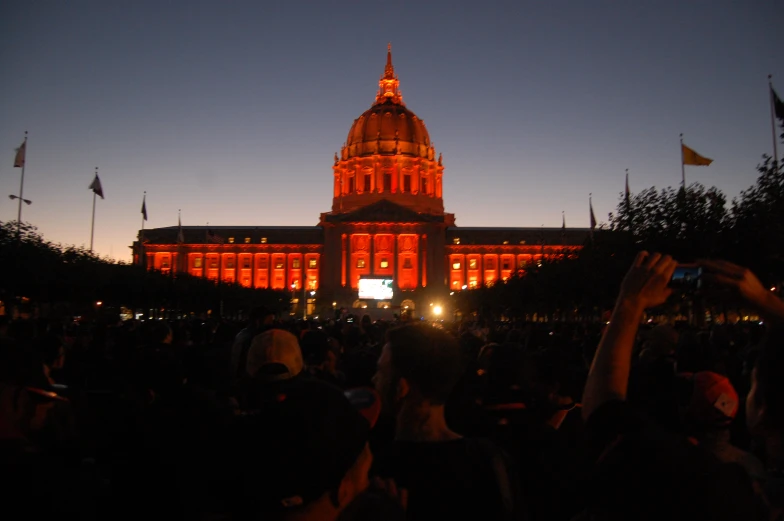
[[456, 240], [384, 263], [247, 240], [246, 262], [387, 178], [489, 265]]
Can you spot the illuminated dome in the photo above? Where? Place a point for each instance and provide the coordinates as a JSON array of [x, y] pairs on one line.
[[388, 155], [388, 127]]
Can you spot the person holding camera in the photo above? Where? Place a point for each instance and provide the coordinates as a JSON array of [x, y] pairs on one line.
[[641, 470]]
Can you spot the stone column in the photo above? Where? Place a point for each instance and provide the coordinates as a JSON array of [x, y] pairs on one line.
[[343, 261], [424, 256], [420, 260], [395, 177], [372, 250], [463, 271], [286, 272], [398, 266]]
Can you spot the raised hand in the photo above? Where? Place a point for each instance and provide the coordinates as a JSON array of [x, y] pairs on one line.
[[645, 284], [746, 284], [734, 277]]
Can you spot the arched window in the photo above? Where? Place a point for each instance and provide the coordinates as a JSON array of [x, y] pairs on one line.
[[407, 305]]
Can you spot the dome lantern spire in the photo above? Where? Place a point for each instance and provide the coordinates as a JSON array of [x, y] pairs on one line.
[[389, 70], [389, 85]]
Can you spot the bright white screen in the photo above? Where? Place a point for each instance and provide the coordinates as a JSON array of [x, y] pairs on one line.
[[375, 289]]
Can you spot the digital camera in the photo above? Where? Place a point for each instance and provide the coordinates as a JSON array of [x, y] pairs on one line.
[[686, 278]]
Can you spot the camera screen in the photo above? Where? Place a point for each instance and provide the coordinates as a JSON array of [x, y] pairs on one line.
[[686, 277]]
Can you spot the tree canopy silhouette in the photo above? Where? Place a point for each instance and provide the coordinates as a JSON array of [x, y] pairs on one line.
[[73, 278], [688, 223]]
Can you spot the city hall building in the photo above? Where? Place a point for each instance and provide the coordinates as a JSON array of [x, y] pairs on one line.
[[387, 241]]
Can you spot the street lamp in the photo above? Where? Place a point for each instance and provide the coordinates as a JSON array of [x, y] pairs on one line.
[[437, 310], [26, 201]]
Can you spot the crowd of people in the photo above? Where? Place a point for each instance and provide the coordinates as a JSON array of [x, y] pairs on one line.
[[359, 420]]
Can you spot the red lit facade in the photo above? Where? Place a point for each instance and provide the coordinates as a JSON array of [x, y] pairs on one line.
[[387, 221]]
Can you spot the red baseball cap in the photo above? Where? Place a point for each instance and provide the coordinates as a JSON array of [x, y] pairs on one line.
[[713, 400]]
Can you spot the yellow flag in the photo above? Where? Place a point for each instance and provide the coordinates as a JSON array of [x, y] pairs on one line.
[[690, 157]]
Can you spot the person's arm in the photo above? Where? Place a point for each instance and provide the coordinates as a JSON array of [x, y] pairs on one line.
[[747, 285], [644, 286]]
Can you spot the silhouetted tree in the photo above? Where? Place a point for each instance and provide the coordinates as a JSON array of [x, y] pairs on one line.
[[73, 278], [687, 223], [757, 219]]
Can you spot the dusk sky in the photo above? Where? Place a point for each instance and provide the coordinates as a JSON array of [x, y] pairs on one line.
[[232, 111]]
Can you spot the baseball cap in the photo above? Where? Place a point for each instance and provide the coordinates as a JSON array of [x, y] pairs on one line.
[[713, 400], [301, 444], [274, 355]]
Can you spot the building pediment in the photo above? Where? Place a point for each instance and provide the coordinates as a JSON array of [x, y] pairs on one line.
[[383, 211]]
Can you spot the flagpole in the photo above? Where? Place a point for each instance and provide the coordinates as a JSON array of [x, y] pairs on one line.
[[92, 228], [180, 241], [626, 188], [627, 199], [563, 228], [683, 168], [21, 193], [143, 258], [772, 121], [175, 264], [204, 257], [590, 207]]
